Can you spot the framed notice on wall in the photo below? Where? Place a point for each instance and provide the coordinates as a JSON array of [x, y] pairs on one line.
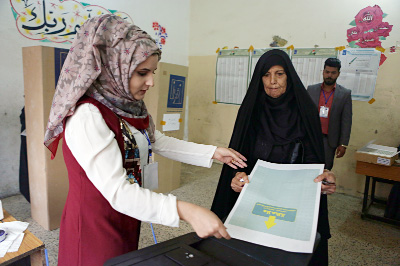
[[176, 91], [232, 74], [359, 71], [309, 63]]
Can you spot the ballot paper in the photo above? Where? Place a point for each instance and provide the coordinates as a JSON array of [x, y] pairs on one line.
[[279, 207], [14, 237]]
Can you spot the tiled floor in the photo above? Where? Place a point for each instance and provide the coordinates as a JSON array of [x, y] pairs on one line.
[[354, 241]]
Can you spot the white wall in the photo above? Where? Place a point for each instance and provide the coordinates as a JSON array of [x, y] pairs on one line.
[[143, 13], [218, 23]]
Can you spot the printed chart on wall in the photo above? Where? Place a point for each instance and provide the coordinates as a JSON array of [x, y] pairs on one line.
[[176, 91], [232, 72], [256, 54], [279, 207], [309, 63], [359, 71]]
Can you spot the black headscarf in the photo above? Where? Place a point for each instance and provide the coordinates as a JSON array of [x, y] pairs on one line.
[[259, 112], [277, 121]]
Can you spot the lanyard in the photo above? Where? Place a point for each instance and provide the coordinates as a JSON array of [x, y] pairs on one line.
[[132, 138], [326, 100], [149, 143]]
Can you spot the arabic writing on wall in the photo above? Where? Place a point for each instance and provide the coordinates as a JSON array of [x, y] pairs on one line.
[[369, 30], [55, 20]]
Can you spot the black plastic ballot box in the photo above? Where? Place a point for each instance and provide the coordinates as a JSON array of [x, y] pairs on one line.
[[190, 250]]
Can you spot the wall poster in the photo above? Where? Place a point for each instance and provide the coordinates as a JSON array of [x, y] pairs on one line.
[[176, 91]]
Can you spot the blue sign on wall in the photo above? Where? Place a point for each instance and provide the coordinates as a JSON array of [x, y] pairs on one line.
[[176, 91], [60, 55]]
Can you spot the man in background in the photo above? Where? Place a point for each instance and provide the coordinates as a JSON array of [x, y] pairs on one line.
[[335, 111]]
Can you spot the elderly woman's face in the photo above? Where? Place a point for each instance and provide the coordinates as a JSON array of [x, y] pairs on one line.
[[275, 81]]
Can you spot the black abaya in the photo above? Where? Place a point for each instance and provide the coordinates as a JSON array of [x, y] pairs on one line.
[[259, 132]]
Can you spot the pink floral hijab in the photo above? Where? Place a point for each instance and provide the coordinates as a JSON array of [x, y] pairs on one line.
[[100, 62]]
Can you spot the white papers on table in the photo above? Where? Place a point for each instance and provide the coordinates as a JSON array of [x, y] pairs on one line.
[[359, 71], [171, 122], [279, 207], [378, 150], [14, 237]]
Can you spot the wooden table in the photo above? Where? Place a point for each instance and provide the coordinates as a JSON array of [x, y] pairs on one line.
[[378, 173], [30, 246]]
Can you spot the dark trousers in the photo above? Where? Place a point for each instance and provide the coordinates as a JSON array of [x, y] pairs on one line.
[[320, 257]]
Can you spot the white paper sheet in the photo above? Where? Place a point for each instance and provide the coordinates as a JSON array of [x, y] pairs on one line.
[[14, 237], [17, 243], [231, 80], [359, 71], [171, 122], [279, 207], [309, 69]]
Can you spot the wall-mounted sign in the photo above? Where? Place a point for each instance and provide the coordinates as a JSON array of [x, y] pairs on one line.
[[369, 29], [55, 20], [176, 91]]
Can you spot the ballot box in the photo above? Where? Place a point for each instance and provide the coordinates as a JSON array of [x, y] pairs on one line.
[[190, 250]]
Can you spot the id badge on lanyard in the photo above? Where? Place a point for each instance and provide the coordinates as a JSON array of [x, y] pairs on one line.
[[150, 177], [324, 111]]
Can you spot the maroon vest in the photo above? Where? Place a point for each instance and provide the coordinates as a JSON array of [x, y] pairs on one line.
[[91, 231]]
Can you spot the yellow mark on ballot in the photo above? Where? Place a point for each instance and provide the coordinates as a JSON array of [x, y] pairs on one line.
[[270, 222], [280, 213]]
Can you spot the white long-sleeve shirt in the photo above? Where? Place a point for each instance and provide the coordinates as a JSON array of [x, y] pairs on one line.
[[94, 147]]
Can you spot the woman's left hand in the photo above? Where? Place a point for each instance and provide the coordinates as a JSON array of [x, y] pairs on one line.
[[328, 179], [230, 157]]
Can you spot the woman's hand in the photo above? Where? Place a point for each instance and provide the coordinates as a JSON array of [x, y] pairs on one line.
[[204, 222], [230, 157], [328, 179], [238, 181]]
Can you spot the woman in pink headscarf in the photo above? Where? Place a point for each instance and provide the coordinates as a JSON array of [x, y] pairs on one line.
[[108, 138]]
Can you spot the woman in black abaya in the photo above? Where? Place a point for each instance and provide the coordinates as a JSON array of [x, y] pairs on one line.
[[277, 122]]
